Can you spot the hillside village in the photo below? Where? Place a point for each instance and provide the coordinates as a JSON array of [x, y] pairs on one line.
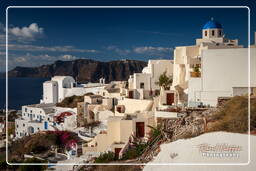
[[107, 117]]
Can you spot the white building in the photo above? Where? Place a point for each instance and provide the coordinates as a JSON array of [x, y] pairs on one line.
[[42, 117], [142, 85], [191, 63], [120, 131], [214, 67], [224, 73], [59, 87], [50, 92]]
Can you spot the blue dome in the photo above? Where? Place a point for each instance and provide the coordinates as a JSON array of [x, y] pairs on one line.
[[212, 24]]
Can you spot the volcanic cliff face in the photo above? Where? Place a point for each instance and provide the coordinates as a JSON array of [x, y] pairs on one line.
[[83, 70]]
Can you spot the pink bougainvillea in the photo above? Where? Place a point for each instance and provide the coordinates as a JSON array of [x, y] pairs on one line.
[[65, 138]]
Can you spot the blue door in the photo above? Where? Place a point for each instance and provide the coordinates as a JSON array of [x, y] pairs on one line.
[[45, 125]]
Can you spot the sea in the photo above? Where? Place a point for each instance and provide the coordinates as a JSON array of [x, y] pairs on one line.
[[21, 91]]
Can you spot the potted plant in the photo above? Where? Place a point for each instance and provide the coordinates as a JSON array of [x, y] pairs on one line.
[[196, 72]]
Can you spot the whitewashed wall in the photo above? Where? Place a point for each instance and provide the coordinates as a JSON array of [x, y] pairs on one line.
[[223, 69], [133, 105]]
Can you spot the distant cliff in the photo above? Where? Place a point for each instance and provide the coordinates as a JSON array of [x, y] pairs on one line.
[[83, 70]]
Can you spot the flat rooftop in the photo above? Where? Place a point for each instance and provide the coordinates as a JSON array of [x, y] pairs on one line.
[[48, 108]]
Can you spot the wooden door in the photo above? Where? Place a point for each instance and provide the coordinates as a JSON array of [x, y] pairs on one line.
[[119, 109], [169, 98], [140, 129], [131, 94], [117, 151]]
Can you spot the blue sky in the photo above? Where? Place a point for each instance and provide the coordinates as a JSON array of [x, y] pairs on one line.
[[42, 36]]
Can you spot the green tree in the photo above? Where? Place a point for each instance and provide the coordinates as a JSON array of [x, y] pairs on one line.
[[165, 81]]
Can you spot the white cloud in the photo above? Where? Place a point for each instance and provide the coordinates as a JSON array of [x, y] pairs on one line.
[[30, 32], [20, 60], [143, 50], [151, 49], [31, 60], [68, 57]]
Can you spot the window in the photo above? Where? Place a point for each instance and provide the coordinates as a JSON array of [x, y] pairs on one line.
[[30, 111], [23, 125], [219, 32], [26, 109], [142, 85], [205, 33], [212, 32]]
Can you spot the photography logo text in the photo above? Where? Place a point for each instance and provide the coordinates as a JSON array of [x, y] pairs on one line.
[[222, 150]]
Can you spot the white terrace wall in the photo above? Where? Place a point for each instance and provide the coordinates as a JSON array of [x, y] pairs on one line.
[[134, 105], [223, 69]]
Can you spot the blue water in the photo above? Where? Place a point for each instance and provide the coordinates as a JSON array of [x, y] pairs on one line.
[[21, 91]]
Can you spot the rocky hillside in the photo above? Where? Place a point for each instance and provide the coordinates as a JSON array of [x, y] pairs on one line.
[[84, 70]]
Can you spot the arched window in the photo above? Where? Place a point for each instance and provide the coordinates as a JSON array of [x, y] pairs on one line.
[[219, 32], [213, 32], [205, 33]]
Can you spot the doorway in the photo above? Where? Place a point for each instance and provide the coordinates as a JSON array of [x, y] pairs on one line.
[[140, 129], [169, 98]]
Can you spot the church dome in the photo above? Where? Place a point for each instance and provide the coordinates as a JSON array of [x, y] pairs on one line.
[[212, 24]]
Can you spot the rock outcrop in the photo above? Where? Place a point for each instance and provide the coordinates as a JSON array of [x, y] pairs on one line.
[[173, 129], [83, 70]]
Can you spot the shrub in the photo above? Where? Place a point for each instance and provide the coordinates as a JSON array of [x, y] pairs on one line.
[[130, 154], [106, 157], [135, 150]]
